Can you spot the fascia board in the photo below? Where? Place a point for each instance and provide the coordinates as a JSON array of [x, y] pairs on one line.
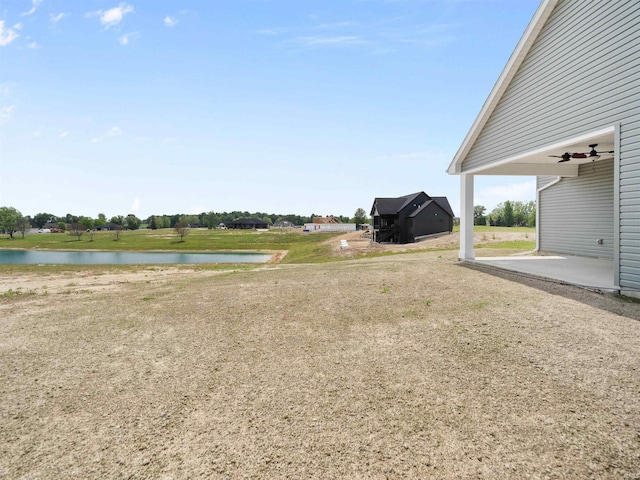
[[524, 45]]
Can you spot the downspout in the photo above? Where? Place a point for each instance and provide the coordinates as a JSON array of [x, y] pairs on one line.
[[555, 182]]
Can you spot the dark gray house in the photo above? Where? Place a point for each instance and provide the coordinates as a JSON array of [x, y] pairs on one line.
[[247, 223], [406, 219], [566, 109]]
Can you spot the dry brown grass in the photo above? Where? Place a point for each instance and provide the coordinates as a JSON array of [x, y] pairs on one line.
[[408, 366]]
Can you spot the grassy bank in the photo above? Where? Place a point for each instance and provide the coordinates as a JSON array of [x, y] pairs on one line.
[[302, 247]]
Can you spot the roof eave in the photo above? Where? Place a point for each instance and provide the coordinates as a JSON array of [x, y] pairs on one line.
[[515, 60]]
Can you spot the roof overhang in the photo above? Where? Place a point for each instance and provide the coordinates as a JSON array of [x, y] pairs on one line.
[[517, 57], [544, 161]]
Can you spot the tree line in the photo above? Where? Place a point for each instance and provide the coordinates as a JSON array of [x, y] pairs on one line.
[[507, 214], [13, 221]]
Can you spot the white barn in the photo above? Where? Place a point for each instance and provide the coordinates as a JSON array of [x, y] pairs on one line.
[[572, 82]]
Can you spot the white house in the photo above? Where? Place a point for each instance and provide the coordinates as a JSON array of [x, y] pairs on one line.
[[566, 109]]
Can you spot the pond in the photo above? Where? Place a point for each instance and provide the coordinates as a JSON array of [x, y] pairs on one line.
[[57, 257]]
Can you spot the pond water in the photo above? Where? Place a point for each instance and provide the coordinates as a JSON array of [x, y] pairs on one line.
[[57, 257]]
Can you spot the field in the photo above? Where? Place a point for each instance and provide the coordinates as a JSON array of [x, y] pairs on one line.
[[380, 366], [291, 246]]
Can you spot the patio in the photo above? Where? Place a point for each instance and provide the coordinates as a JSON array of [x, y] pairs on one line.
[[586, 272]]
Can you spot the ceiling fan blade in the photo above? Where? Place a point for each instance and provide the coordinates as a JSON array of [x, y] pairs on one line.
[[579, 155], [562, 160]]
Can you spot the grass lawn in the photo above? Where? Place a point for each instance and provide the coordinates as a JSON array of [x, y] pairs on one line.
[[487, 229]]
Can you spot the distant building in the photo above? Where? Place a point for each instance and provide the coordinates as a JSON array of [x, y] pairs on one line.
[[406, 219], [247, 223], [283, 224], [329, 227], [329, 219]]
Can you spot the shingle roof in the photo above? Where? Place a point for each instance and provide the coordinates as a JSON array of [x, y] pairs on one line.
[[391, 206]]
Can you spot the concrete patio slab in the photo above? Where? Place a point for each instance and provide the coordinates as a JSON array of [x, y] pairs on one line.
[[580, 271]]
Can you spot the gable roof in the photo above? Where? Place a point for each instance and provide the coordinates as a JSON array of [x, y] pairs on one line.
[[530, 35], [444, 204], [391, 206]]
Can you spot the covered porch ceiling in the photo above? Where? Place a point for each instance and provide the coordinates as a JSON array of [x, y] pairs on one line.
[[539, 162]]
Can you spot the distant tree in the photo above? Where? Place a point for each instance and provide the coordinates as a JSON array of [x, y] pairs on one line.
[[478, 215], [41, 219], [117, 230], [118, 220], [496, 217], [76, 230], [9, 217], [62, 226], [87, 222], [23, 225], [211, 220], [524, 213], [508, 214], [182, 229], [267, 219], [152, 223], [360, 217], [133, 222], [531, 219], [70, 218], [101, 221]]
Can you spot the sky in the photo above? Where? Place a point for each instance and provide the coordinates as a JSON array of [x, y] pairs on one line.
[[304, 107]]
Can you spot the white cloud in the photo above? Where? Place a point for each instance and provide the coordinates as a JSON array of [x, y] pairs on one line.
[[382, 37], [7, 35], [112, 132], [64, 134], [135, 206], [170, 21], [33, 45], [5, 113], [56, 18], [333, 26], [34, 5], [128, 37], [113, 16], [332, 41]]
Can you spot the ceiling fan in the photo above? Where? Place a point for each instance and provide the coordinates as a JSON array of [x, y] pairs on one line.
[[593, 154]]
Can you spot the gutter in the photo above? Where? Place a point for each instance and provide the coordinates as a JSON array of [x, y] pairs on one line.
[[555, 182]]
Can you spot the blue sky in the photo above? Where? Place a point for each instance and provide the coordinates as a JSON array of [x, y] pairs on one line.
[[292, 106]]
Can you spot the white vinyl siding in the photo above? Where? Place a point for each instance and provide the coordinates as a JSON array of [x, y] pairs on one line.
[[630, 205], [569, 83], [581, 74], [542, 181], [579, 211]]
